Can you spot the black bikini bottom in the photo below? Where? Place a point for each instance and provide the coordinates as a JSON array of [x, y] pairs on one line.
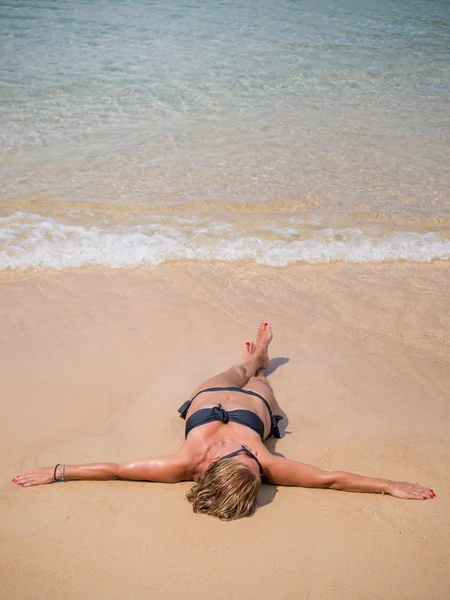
[[217, 413]]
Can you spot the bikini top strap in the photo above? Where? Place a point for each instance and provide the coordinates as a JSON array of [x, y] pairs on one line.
[[275, 429], [266, 403], [184, 408]]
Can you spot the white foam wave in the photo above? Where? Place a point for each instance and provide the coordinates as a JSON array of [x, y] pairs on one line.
[[32, 242]]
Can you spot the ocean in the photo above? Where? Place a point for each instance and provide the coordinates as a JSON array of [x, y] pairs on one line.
[[140, 132]]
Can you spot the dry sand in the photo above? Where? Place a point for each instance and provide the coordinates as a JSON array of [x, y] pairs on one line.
[[94, 364]]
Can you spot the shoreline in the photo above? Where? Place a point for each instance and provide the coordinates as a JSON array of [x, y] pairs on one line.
[[13, 274]]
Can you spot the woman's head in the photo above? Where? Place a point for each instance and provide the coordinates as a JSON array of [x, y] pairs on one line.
[[226, 490]]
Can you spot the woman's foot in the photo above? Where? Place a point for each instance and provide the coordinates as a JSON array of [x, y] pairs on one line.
[[248, 349], [264, 336], [259, 351]]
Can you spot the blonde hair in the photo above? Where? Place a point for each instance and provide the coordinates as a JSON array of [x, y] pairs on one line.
[[226, 490]]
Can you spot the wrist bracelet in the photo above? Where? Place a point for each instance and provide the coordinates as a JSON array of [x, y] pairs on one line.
[[54, 472], [382, 489]]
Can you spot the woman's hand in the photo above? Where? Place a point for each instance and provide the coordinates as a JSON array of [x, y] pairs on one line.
[[35, 477], [411, 491]]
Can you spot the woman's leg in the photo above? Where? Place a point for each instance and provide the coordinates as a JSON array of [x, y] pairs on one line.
[[261, 386], [259, 382], [239, 375]]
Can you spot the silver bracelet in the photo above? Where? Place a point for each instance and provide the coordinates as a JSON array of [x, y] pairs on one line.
[[62, 478]]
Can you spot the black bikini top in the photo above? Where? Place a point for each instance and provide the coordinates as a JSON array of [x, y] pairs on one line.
[[241, 416]]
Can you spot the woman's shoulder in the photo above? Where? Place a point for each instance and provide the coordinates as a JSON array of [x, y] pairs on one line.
[[193, 454]]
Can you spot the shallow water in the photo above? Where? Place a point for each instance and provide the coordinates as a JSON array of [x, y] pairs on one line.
[[136, 133]]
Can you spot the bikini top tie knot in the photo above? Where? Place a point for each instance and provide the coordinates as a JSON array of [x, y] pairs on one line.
[[220, 414]]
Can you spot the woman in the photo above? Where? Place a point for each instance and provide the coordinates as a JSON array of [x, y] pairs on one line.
[[227, 419]]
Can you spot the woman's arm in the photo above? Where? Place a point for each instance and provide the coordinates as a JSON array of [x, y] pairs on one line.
[[164, 469], [281, 471]]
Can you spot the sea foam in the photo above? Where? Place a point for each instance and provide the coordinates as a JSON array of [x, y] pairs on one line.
[[29, 241]]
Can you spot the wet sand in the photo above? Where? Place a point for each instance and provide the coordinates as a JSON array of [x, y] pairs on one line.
[[94, 364]]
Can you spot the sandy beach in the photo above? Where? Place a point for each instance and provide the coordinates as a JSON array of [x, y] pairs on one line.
[[94, 364]]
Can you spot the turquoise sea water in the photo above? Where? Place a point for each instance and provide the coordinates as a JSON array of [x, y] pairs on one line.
[[136, 132]]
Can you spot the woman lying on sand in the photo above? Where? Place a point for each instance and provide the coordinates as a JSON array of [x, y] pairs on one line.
[[228, 417]]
